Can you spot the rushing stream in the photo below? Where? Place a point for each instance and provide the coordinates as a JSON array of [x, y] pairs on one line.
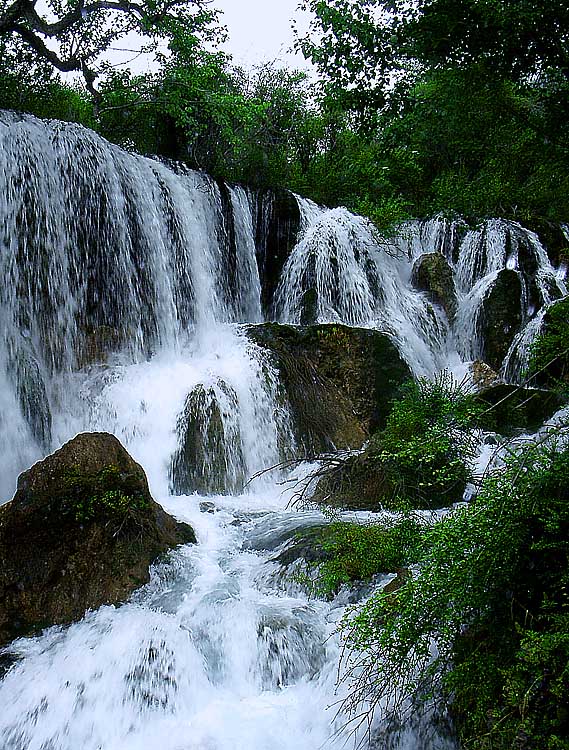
[[125, 286]]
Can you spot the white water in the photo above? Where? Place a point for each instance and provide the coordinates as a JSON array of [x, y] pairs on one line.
[[221, 651], [205, 657], [361, 278]]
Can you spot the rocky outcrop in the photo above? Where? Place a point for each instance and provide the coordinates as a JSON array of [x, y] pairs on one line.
[[277, 223], [501, 317], [339, 381], [550, 361], [552, 237], [81, 531], [97, 345], [433, 274], [30, 388], [509, 408], [209, 458]]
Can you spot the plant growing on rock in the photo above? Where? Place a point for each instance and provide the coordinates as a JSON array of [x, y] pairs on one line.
[[106, 496], [484, 625], [423, 458]]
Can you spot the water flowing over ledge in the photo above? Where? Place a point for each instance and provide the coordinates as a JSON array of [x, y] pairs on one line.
[[126, 282]]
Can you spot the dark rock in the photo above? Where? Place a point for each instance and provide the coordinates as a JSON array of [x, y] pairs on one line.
[[552, 237], [30, 387], [209, 458], [364, 481], [551, 365], [81, 531], [277, 224], [98, 344], [7, 661], [501, 317], [339, 381], [306, 545], [510, 408], [207, 507], [309, 308], [433, 274]]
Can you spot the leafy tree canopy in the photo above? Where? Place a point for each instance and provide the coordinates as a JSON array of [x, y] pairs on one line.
[[73, 35], [363, 47]]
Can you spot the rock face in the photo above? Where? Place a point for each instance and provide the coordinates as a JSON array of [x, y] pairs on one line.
[[433, 274], [339, 381], [511, 408], [209, 459], [32, 394], [501, 317], [81, 531], [277, 226], [551, 349]]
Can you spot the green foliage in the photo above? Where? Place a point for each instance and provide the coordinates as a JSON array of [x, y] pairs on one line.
[[484, 622], [356, 552], [422, 108], [458, 106], [549, 354], [429, 443], [106, 496]]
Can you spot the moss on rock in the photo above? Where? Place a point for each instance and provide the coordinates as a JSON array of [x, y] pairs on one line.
[[81, 531], [433, 274], [209, 458], [501, 317], [339, 381]]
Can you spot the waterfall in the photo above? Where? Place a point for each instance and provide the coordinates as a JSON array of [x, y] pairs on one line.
[[126, 282], [356, 277]]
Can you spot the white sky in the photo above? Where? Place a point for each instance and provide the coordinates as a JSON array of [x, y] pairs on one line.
[[261, 30], [258, 31]]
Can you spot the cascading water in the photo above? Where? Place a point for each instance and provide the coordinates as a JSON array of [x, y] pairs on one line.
[[353, 276], [124, 284]]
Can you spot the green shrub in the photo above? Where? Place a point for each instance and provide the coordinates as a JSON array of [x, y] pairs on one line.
[[549, 353], [484, 624], [107, 495], [429, 443], [357, 552]]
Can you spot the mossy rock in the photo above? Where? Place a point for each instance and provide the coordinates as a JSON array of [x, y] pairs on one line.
[[552, 237], [81, 531], [339, 381], [501, 317], [433, 274], [510, 409], [209, 458], [306, 545], [550, 351], [364, 482], [25, 373]]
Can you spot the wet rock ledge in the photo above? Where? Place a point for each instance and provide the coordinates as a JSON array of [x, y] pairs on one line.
[[81, 531], [339, 381]]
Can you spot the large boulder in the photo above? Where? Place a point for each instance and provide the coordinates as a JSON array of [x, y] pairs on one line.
[[81, 531], [433, 274], [339, 381], [501, 317], [510, 408]]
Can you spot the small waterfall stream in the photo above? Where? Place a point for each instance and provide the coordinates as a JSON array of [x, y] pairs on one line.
[[125, 284]]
